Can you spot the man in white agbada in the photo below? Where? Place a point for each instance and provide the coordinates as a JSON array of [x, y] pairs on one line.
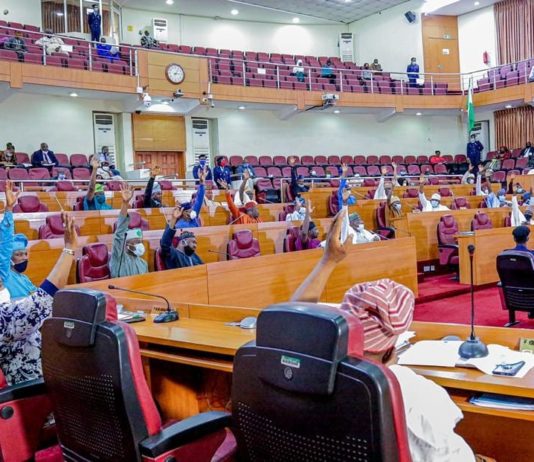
[[299, 211], [434, 205], [385, 309]]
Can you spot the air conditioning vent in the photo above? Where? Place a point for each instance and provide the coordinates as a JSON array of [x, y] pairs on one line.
[[160, 29], [346, 47]]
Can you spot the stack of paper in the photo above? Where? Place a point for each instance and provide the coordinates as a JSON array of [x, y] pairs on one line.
[[503, 402]]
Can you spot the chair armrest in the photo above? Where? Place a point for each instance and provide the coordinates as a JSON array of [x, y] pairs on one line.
[[448, 246], [22, 390], [386, 228], [184, 432]]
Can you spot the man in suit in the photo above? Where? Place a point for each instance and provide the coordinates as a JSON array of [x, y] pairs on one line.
[[44, 158], [521, 235], [94, 20], [528, 152], [474, 153]]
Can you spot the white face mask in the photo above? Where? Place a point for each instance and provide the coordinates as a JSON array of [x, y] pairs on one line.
[[5, 296], [435, 204], [361, 227], [138, 250], [193, 214], [397, 207]]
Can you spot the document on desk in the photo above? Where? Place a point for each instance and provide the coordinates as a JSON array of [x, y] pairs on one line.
[[445, 354]]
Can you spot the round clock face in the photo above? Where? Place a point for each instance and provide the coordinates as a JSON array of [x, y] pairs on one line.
[[175, 73]]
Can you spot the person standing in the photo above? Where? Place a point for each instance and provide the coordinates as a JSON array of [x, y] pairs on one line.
[[413, 72], [202, 166], [474, 153], [222, 171], [94, 19]]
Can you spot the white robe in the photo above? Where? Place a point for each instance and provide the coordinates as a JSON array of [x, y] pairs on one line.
[[427, 206]]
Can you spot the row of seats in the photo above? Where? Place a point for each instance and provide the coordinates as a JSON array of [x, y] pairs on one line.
[[506, 76], [65, 160]]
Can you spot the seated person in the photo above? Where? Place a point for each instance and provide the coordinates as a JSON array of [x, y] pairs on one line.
[[105, 158], [360, 235], [202, 165], [327, 71], [367, 74], [517, 217], [8, 156], [51, 43], [299, 210], [95, 198], [384, 189], [246, 167], [515, 188], [297, 186], [13, 252], [376, 66], [249, 212], [188, 213], [469, 177], [127, 249], [434, 205], [222, 171], [44, 158], [521, 236], [495, 201], [309, 233], [16, 44], [436, 158], [105, 50], [298, 71], [385, 309], [147, 41], [344, 196], [185, 253], [21, 320], [105, 172]]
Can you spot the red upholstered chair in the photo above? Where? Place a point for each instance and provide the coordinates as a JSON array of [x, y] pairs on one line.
[[136, 221], [113, 185], [369, 183], [78, 160], [508, 164], [53, 228], [159, 261], [235, 161], [65, 186], [94, 374], [373, 170], [290, 240], [243, 245], [63, 159], [65, 170], [460, 158], [372, 160], [359, 160], [267, 394], [334, 160], [410, 159], [39, 173], [265, 161], [29, 204], [252, 160], [460, 203], [18, 174], [481, 221], [411, 192], [22, 158], [447, 243], [440, 169], [445, 192], [24, 426], [81, 173], [94, 263], [321, 160], [383, 230]]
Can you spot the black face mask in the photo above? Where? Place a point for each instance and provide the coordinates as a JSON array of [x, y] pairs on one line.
[[21, 267], [528, 217], [188, 251]]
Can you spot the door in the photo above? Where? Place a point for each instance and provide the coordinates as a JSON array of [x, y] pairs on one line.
[[171, 163], [440, 49]]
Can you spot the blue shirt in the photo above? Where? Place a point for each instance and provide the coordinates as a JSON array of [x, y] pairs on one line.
[[523, 248], [197, 206], [18, 284], [351, 200], [413, 71], [473, 152], [93, 204], [222, 173]]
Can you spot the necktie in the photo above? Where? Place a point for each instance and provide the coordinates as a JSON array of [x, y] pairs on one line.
[[46, 158]]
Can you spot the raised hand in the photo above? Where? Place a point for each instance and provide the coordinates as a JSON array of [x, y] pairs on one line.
[[95, 163], [422, 179], [246, 175], [202, 175], [126, 192], [223, 184], [155, 171], [394, 165], [176, 215], [11, 196], [71, 236], [344, 170], [512, 176], [335, 250]]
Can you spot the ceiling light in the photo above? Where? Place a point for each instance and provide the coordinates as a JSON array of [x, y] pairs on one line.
[[169, 2], [418, 114], [348, 1], [234, 12], [241, 108], [337, 111], [74, 94], [296, 20], [508, 106], [477, 3], [432, 5]]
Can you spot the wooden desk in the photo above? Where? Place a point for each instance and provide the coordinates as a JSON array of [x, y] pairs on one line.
[[488, 244], [187, 362]]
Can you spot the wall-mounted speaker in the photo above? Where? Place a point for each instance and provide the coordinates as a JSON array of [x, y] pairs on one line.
[[410, 16]]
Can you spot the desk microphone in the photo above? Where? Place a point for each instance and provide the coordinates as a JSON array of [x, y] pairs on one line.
[[473, 346], [168, 316]]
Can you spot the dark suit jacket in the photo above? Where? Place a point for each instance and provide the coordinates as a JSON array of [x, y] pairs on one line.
[[37, 158]]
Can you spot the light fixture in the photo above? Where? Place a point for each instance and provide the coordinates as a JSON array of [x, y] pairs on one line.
[[430, 6], [74, 94], [348, 1], [169, 2], [234, 12], [477, 3], [59, 13], [418, 114], [296, 20], [508, 106], [336, 111], [241, 108]]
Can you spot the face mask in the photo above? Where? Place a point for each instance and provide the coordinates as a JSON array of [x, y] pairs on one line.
[[485, 192], [202, 163], [397, 207], [193, 214], [360, 227], [223, 163], [5, 296], [100, 199], [501, 199], [138, 250], [188, 251], [528, 218], [434, 204], [520, 190], [351, 200], [470, 181], [20, 267]]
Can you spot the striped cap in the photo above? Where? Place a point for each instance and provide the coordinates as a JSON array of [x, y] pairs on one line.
[[385, 309]]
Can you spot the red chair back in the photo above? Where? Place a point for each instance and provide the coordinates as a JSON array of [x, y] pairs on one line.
[[481, 221], [447, 230], [29, 204], [243, 245], [78, 160], [136, 221], [445, 192], [411, 192], [53, 228], [39, 173], [460, 203], [94, 263], [65, 186], [159, 261], [81, 173], [290, 240]]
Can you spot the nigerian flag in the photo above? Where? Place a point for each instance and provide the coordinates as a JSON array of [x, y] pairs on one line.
[[470, 108]]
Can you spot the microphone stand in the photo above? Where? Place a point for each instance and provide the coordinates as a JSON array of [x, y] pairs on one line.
[[473, 346]]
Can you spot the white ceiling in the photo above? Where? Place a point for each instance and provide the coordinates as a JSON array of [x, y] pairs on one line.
[[464, 6], [277, 11]]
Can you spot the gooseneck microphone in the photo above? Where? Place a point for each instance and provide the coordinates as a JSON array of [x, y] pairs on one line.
[[168, 316], [473, 346]]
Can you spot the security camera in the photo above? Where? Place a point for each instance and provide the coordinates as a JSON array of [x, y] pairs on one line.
[[178, 93], [147, 100]]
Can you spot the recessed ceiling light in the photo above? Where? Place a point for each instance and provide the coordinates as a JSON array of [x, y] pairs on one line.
[[296, 20], [74, 94], [418, 114], [477, 3], [234, 12], [337, 111], [348, 1], [169, 2], [508, 106], [241, 108]]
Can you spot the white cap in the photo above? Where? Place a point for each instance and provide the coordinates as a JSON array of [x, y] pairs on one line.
[[435, 197], [135, 233]]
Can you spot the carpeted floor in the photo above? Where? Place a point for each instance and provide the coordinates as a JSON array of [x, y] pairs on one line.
[[457, 309], [437, 287]]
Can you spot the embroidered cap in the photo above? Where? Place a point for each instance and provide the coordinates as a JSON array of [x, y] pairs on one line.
[[135, 233], [385, 309], [20, 242]]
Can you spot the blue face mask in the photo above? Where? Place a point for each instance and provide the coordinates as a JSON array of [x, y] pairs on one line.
[[501, 199], [351, 200], [434, 204], [202, 162], [100, 199]]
